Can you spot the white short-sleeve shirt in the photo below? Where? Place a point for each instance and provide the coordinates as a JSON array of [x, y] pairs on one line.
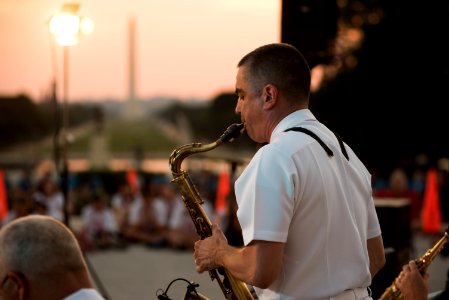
[[85, 294], [99, 220], [321, 207]]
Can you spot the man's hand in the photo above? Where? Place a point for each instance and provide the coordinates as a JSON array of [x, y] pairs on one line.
[[207, 251], [413, 286]]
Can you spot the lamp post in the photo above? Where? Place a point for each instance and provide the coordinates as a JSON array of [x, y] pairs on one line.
[[66, 28]]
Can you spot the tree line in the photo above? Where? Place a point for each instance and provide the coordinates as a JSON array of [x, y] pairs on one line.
[[23, 120]]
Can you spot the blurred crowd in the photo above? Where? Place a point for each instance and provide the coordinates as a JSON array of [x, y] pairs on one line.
[[149, 212], [152, 212]]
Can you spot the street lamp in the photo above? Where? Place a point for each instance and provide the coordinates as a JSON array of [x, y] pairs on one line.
[[66, 27]]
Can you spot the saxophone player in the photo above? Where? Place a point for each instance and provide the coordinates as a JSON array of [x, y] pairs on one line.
[[305, 203]]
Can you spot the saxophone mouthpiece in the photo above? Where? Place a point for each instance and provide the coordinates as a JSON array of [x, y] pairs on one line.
[[232, 132]]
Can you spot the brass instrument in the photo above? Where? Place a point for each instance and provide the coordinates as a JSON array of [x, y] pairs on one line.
[[422, 263], [232, 288]]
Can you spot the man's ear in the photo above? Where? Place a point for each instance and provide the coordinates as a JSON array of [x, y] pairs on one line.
[[16, 284], [270, 94]]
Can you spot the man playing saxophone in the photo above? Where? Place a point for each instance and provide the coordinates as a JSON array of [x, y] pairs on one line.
[[305, 202]]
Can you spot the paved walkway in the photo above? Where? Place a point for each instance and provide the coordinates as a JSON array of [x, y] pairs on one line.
[[138, 272], [142, 273]]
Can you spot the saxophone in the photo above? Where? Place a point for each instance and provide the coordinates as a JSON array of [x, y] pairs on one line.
[[422, 263], [232, 288]]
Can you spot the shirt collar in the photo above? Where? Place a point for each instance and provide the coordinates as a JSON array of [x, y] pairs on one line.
[[292, 120]]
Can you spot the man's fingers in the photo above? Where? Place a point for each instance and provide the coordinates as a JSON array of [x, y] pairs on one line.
[[199, 269], [215, 227]]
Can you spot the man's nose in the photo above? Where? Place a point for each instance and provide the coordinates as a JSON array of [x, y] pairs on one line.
[[237, 107]]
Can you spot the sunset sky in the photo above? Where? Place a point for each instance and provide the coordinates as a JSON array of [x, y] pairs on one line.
[[184, 48]]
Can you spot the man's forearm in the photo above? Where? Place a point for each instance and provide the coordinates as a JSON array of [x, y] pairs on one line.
[[240, 262], [258, 264], [376, 254]]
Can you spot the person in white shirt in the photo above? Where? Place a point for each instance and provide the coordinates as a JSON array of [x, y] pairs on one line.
[[40, 259], [121, 202], [146, 220], [181, 232], [305, 203], [99, 227], [49, 194]]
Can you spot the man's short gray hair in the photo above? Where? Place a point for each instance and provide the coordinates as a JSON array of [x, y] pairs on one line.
[[281, 65], [39, 246]]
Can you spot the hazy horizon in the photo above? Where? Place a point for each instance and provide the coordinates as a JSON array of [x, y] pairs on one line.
[[183, 49]]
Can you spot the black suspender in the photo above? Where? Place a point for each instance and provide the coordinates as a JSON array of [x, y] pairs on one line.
[[342, 146], [325, 147]]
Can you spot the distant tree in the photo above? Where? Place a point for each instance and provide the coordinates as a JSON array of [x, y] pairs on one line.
[[209, 121], [81, 114], [196, 115], [389, 106], [222, 114], [23, 120], [20, 121]]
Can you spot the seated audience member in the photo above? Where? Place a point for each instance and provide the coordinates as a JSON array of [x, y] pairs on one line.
[[49, 193], [399, 188], [121, 202], [145, 220], [41, 259], [39, 205], [181, 232], [99, 229], [20, 207]]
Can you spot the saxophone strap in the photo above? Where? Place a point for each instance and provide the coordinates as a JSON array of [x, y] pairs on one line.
[[320, 141]]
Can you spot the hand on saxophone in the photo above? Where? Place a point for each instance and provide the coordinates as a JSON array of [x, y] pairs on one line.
[[413, 286], [207, 251]]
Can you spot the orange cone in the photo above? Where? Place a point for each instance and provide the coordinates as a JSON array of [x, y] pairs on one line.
[[3, 198], [223, 189], [431, 212], [133, 180]]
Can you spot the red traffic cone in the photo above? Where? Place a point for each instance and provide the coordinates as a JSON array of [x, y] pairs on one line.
[[133, 180], [3, 198], [223, 189], [431, 212]]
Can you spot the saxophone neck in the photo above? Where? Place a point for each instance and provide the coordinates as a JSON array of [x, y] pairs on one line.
[[179, 154]]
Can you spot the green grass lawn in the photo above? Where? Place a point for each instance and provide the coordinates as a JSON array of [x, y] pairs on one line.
[[81, 144], [124, 136]]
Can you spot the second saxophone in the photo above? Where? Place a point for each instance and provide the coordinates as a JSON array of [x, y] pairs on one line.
[[393, 292]]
